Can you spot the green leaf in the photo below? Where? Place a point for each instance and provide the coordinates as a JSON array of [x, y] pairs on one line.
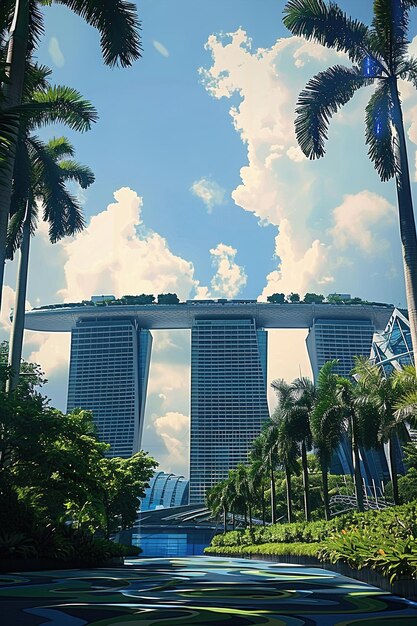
[[118, 25], [327, 25], [378, 135], [323, 95]]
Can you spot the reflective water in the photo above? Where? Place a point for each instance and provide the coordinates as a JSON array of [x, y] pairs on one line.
[[197, 591]]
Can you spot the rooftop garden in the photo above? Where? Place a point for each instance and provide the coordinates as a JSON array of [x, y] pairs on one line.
[[172, 298]]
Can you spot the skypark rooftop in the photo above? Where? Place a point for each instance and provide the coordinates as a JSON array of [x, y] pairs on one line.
[[64, 317]]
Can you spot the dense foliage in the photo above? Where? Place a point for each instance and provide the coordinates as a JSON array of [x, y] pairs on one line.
[[381, 540], [55, 477]]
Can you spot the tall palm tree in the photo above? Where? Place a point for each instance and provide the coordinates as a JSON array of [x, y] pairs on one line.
[[118, 25], [264, 450], [244, 488], [381, 395], [296, 403], [50, 168], [326, 425], [220, 499], [379, 55], [40, 177], [286, 445]]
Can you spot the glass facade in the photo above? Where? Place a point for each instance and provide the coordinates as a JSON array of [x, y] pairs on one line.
[[338, 339], [228, 397], [165, 491], [343, 340], [108, 375], [392, 349]]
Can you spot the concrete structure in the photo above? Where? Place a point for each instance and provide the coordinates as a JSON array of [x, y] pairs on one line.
[[229, 347], [108, 375], [228, 398], [340, 339], [165, 491]]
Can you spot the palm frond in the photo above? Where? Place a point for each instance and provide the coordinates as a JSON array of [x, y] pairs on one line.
[[118, 25], [36, 28], [378, 132], [64, 105], [82, 174], [328, 25], [61, 209], [407, 70], [390, 26], [36, 79], [323, 95], [60, 148], [6, 17]]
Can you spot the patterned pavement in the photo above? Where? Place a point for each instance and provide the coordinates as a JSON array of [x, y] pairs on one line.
[[197, 591]]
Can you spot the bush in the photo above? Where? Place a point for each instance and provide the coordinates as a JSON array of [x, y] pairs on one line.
[[278, 549]]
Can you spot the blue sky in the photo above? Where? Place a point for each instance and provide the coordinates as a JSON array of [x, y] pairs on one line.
[[212, 194]]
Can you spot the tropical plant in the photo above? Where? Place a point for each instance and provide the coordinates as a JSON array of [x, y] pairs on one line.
[[39, 183], [295, 402], [326, 425], [118, 25], [286, 445], [379, 55], [264, 454], [380, 395]]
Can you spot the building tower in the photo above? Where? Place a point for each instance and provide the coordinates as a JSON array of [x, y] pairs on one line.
[[228, 397], [108, 375], [343, 339]]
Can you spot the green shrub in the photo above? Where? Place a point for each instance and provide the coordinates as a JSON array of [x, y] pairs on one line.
[[277, 549]]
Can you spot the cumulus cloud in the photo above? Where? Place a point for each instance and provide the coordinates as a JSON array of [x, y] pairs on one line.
[[295, 272], [229, 277], [55, 52], [159, 47], [117, 254], [209, 192], [357, 222], [173, 429]]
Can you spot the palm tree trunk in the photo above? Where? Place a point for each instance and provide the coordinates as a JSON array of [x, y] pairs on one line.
[[12, 91], [357, 476], [224, 520], [289, 494], [273, 494], [263, 506], [18, 328], [393, 466], [305, 481], [325, 483], [406, 216]]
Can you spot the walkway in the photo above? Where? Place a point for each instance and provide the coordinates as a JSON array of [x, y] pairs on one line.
[[198, 591]]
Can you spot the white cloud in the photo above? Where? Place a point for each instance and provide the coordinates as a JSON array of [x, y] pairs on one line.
[[229, 277], [296, 154], [296, 272], [113, 255], [159, 47], [357, 222], [209, 192], [51, 352], [173, 430], [7, 306], [55, 52]]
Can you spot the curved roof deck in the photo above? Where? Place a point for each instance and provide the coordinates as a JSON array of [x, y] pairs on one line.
[[182, 316]]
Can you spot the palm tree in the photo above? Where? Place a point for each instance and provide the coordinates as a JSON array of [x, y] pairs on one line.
[[286, 446], [379, 56], [244, 489], [382, 395], [296, 402], [326, 425], [118, 25], [41, 173], [264, 452], [220, 499]]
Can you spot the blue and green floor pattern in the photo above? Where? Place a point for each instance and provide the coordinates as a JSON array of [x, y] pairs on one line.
[[197, 591]]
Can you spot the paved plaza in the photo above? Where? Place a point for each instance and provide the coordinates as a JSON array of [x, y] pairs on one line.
[[198, 591]]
